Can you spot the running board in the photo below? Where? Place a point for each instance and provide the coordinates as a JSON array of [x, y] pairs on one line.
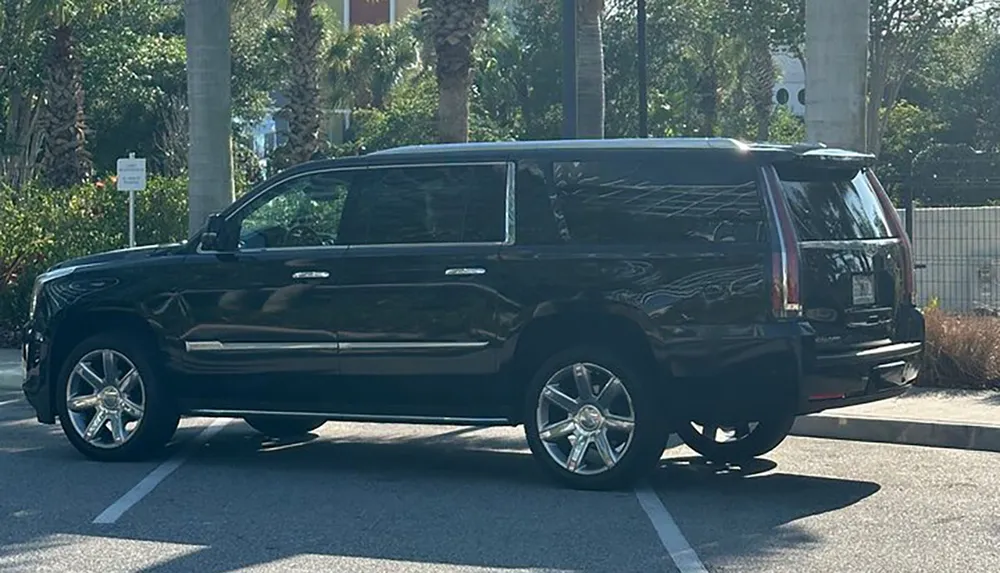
[[338, 417]]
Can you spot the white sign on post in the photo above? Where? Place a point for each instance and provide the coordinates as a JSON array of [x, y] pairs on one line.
[[131, 177]]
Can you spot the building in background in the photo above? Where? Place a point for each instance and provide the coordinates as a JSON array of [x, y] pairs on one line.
[[362, 12], [790, 89]]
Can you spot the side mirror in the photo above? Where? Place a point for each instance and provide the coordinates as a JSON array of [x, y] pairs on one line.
[[214, 237]]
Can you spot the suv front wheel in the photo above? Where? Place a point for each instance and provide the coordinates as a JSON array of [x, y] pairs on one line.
[[591, 421], [110, 401]]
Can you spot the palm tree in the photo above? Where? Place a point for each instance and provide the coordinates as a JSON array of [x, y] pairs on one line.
[[210, 157], [379, 57], [752, 22], [65, 160], [303, 108], [453, 26], [590, 69], [303, 38]]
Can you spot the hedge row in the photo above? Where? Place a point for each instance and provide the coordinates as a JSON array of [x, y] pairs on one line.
[[40, 227]]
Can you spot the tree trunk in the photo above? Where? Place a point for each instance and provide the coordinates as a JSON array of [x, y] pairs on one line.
[[23, 139], [762, 78], [303, 90], [209, 73], [590, 70], [453, 109], [453, 27], [707, 90], [65, 159]]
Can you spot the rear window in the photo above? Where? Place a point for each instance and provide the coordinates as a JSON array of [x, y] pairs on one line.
[[650, 199], [832, 204]]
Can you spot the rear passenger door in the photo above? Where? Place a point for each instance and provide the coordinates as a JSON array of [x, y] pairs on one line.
[[417, 294]]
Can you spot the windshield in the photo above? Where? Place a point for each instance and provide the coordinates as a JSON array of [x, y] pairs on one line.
[[832, 204]]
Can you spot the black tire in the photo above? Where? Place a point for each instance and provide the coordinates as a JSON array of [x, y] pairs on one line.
[[283, 426], [765, 437], [159, 419], [648, 437]]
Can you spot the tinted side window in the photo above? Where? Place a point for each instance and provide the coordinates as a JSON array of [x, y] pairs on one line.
[[301, 212], [657, 199], [536, 214], [832, 204], [450, 204]]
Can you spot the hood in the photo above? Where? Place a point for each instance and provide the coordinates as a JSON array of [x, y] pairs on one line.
[[134, 253]]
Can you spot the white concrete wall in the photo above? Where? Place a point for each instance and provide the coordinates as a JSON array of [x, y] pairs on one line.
[[960, 247], [836, 71]]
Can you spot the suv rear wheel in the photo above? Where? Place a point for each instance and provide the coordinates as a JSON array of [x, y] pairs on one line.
[[736, 443], [591, 421], [110, 402]]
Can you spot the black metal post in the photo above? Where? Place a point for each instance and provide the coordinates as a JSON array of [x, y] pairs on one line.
[[643, 63], [569, 69], [908, 213]]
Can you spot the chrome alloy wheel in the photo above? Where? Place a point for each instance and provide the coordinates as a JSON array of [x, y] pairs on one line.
[[105, 398], [585, 418]]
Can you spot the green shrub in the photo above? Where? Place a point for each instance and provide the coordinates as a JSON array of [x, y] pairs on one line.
[[40, 227]]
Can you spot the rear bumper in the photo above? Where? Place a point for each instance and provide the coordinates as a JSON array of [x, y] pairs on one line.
[[846, 379]]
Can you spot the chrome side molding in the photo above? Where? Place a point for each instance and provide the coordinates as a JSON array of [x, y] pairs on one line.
[[219, 346]]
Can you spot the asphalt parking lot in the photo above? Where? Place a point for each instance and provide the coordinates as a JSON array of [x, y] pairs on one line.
[[366, 498]]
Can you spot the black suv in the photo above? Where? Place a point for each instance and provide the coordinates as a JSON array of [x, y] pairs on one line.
[[602, 293]]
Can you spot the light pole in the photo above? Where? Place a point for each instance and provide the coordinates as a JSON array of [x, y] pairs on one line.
[[569, 68], [642, 63]]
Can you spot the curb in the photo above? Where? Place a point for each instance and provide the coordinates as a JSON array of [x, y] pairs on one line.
[[900, 431]]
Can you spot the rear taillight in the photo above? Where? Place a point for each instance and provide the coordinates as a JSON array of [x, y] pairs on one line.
[[898, 230], [786, 296]]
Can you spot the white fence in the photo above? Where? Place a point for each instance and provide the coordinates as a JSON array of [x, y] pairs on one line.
[[957, 250]]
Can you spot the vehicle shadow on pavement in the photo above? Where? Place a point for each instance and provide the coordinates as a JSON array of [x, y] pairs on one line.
[[368, 498], [389, 498], [455, 455], [732, 512]]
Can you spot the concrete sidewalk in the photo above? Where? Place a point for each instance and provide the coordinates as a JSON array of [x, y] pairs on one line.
[[962, 419], [10, 369]]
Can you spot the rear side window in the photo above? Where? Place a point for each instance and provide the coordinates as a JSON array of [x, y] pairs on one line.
[[656, 198], [446, 204], [832, 204]]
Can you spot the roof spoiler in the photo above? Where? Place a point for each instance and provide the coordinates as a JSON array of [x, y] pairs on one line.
[[820, 153]]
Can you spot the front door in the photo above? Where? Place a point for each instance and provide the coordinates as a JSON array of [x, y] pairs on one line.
[[417, 291], [261, 336]]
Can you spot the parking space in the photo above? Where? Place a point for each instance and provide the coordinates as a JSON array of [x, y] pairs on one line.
[[360, 497], [824, 505], [49, 495]]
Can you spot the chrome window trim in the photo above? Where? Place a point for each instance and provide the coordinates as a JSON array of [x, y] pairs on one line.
[[509, 205], [219, 346], [335, 416]]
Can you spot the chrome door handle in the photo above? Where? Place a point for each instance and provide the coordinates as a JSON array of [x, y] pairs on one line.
[[311, 275], [462, 272]]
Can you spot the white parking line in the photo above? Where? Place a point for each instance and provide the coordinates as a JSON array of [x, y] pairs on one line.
[[153, 479], [673, 540], [5, 402]]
